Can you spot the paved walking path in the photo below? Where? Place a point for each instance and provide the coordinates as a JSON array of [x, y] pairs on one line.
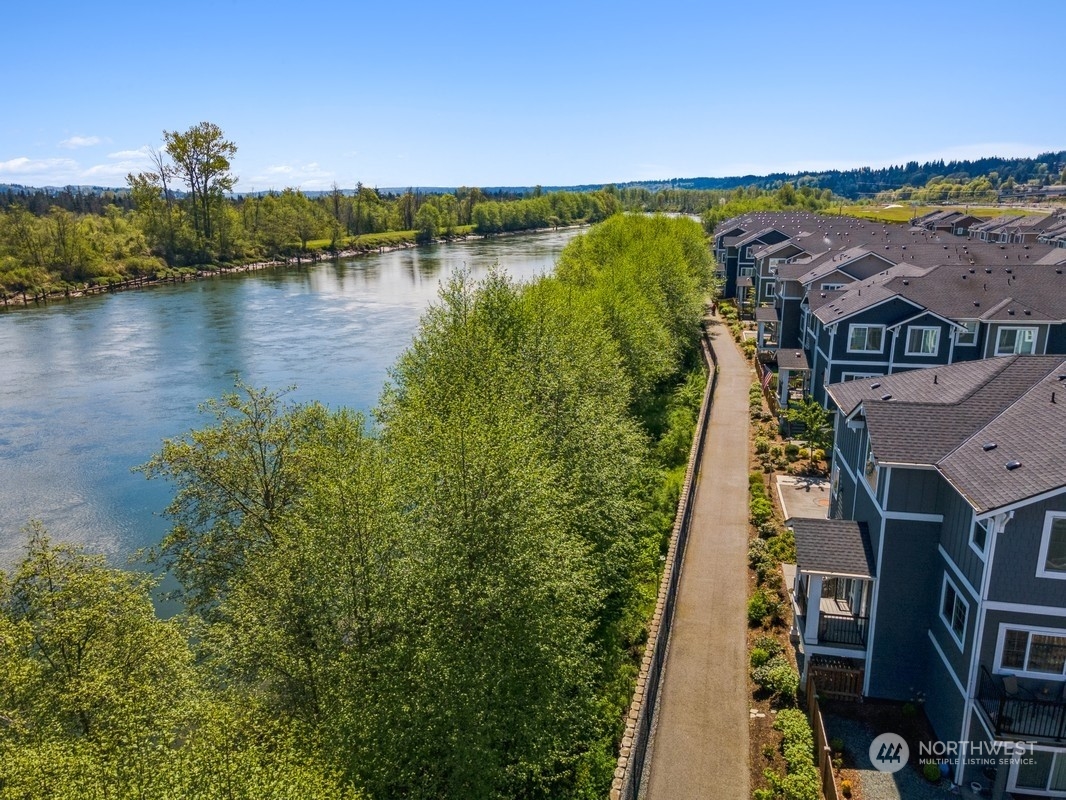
[[700, 747]]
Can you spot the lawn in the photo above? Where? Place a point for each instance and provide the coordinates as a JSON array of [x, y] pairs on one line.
[[905, 212]]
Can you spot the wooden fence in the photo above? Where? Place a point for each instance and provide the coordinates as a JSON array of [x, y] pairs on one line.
[[823, 755]]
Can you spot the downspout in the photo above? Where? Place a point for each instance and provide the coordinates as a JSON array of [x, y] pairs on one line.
[[999, 523]]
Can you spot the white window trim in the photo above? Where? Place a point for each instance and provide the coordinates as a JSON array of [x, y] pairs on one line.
[[1015, 763], [973, 540], [965, 331], [1019, 329], [1045, 542], [1001, 641], [831, 287], [936, 341], [858, 376], [854, 326], [960, 641]]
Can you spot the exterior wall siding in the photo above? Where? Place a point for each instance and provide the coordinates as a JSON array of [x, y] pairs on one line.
[[955, 535], [905, 608], [944, 704], [1014, 577], [914, 491]]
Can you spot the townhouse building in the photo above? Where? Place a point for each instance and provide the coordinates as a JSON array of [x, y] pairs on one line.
[[940, 575]]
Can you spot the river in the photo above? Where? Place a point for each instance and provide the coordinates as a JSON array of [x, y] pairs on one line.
[[90, 388]]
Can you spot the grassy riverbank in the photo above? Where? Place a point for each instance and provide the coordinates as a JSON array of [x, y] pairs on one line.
[[317, 250]]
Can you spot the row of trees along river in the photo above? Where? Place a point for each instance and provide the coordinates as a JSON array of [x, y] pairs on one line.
[[182, 216], [445, 598]]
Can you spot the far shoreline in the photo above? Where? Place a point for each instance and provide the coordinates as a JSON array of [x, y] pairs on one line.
[[202, 272]]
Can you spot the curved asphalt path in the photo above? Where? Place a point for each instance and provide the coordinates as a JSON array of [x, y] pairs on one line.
[[700, 745]]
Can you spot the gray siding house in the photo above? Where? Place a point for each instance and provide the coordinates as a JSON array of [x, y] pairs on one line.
[[941, 573]]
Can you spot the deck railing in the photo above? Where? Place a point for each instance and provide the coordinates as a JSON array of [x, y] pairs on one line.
[[842, 629], [1022, 713]]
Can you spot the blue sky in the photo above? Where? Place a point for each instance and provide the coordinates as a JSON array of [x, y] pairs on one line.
[[508, 93]]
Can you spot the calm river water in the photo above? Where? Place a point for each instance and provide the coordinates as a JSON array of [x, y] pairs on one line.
[[88, 389]]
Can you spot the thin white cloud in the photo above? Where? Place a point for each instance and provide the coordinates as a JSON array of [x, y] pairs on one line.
[[309, 176], [118, 166], [75, 142], [39, 171]]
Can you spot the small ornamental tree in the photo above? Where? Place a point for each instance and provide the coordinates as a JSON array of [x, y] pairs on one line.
[[815, 419]]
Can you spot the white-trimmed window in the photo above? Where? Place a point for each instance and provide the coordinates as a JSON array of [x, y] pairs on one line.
[[922, 341], [832, 287], [1015, 341], [866, 338], [1052, 563], [768, 288], [1038, 652], [979, 536], [858, 376], [953, 611], [1041, 771], [871, 470], [968, 334]]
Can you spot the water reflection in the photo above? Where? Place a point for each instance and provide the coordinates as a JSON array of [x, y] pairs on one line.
[[90, 388]]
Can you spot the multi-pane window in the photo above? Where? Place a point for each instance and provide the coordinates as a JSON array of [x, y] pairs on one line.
[[1033, 651], [980, 535], [1053, 547], [923, 341], [871, 470], [866, 338], [1041, 770], [953, 611], [1015, 341], [968, 334]]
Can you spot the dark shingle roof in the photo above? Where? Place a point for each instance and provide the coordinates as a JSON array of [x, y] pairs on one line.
[[792, 360], [945, 416], [833, 547]]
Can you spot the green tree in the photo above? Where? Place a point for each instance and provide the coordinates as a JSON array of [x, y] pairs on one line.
[[235, 480], [815, 420], [427, 222], [201, 159]]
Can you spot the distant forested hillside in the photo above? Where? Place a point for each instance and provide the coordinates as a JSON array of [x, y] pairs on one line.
[[866, 181]]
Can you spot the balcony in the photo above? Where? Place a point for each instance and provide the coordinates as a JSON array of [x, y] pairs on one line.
[[1022, 712], [846, 629]]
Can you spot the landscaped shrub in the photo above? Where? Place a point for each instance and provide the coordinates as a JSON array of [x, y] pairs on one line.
[[760, 510], [931, 771], [801, 781], [845, 788], [758, 657], [765, 607], [819, 455], [792, 451], [778, 677], [836, 744], [783, 547], [762, 444], [770, 644], [758, 550], [769, 529]]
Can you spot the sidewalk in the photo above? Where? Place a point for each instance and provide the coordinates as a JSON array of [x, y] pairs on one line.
[[700, 741]]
